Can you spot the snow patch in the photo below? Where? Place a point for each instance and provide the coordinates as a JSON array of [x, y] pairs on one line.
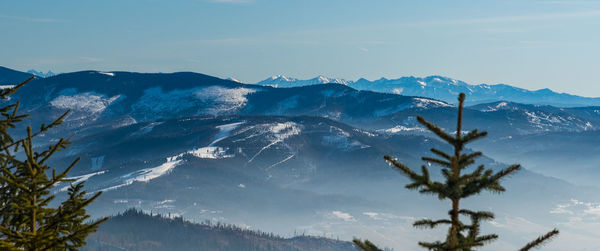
[[80, 178], [85, 176], [370, 134], [148, 174], [112, 74], [225, 130], [210, 152], [496, 107], [279, 133], [88, 102], [214, 100], [428, 103], [226, 99], [401, 128]]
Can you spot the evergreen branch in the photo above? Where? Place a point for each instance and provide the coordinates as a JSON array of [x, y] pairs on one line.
[[478, 214], [438, 245], [484, 239], [468, 177], [437, 161], [473, 135], [407, 171], [505, 172], [441, 154], [4, 93], [427, 223], [366, 245], [540, 240], [44, 128], [438, 131], [465, 158]]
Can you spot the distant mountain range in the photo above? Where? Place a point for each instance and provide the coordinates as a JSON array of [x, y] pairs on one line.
[[445, 89]]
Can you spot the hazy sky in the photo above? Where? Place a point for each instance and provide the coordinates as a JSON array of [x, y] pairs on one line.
[[530, 44]]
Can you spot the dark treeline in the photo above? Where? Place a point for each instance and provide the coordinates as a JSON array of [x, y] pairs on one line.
[[136, 230]]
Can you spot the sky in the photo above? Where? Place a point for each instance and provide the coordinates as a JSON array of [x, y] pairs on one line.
[[531, 44]]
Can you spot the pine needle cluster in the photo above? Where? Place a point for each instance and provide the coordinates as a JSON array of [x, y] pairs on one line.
[[27, 221], [460, 182]]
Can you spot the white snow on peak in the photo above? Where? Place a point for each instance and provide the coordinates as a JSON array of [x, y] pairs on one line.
[[112, 74], [323, 79], [281, 81], [283, 78]]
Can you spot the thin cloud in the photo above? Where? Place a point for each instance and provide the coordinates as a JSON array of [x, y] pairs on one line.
[[509, 19], [458, 22], [29, 19]]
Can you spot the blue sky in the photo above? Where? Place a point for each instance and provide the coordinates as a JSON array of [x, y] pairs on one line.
[[530, 44]]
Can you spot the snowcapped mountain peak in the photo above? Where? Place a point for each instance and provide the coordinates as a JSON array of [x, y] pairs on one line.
[[282, 78], [41, 74], [443, 88], [283, 81], [323, 79]]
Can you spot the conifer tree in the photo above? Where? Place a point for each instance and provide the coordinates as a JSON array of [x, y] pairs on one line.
[[460, 182], [27, 221]]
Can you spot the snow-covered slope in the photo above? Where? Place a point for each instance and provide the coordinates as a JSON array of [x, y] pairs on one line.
[[282, 173]]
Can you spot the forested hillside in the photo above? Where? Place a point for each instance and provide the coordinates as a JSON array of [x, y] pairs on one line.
[[136, 230]]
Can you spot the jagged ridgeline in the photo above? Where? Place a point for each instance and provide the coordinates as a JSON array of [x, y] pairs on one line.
[[461, 181], [136, 230]]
